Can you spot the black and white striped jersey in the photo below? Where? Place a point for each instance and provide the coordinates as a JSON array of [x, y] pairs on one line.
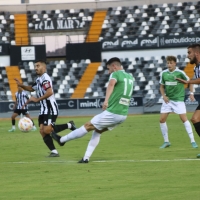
[[21, 99], [197, 71], [49, 105]]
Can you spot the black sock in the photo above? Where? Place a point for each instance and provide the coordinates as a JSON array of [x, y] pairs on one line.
[[197, 128], [13, 122], [49, 142], [60, 127]]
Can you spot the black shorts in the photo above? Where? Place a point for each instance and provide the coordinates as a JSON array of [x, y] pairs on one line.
[[21, 111], [44, 119], [198, 107]]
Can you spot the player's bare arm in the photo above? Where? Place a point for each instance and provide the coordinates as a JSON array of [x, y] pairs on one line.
[[195, 81], [162, 91], [25, 87], [109, 91]]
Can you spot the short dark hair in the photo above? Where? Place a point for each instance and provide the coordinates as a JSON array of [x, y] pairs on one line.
[[114, 59], [194, 46], [41, 60], [171, 58]]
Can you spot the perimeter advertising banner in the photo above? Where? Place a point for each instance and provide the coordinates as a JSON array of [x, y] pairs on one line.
[[149, 43], [71, 104], [189, 102], [97, 103]]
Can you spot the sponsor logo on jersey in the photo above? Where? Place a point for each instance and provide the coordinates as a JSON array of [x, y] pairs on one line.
[[170, 83], [124, 101]]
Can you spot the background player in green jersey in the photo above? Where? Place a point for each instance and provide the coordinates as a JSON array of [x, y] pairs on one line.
[[173, 94], [115, 106]]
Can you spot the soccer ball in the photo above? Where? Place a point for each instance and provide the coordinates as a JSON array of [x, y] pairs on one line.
[[25, 124]]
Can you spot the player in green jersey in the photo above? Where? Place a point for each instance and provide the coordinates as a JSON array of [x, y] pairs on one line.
[[115, 106], [173, 94]]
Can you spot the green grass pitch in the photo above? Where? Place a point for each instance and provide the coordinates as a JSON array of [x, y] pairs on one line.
[[127, 164]]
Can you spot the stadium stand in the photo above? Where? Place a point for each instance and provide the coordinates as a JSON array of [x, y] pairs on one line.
[[66, 76], [150, 20]]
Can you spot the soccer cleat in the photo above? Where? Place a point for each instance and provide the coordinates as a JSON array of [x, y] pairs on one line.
[[53, 155], [11, 130], [83, 161], [34, 128], [194, 145], [57, 137], [73, 125], [165, 145]]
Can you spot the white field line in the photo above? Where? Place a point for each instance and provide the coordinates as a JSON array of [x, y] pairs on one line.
[[100, 161]]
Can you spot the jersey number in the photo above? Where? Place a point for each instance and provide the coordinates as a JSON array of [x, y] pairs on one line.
[[130, 82]]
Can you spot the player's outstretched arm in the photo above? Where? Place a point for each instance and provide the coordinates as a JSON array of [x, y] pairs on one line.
[[195, 81], [182, 81], [25, 87]]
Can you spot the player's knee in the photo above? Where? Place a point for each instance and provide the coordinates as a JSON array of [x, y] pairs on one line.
[[162, 120], [47, 129], [41, 131], [194, 120], [88, 126]]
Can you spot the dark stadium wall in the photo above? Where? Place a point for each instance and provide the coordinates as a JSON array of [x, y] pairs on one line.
[[78, 51], [26, 53]]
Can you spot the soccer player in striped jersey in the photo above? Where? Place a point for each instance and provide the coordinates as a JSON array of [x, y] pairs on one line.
[[194, 57], [115, 106], [48, 106], [173, 94], [21, 98]]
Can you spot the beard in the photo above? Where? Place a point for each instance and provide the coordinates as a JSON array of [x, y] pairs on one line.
[[193, 61]]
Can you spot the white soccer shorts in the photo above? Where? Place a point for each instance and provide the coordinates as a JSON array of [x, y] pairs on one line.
[[173, 106], [107, 120]]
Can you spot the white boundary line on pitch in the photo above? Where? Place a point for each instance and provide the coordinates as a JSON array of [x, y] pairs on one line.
[[100, 161]]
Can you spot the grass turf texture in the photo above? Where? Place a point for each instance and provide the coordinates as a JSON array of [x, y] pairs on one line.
[[127, 164]]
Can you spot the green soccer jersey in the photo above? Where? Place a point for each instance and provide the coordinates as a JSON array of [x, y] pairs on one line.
[[120, 98], [174, 90]]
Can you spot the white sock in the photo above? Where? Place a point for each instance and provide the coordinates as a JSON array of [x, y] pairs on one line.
[[164, 130], [80, 132], [54, 151], [69, 125], [94, 141], [13, 127], [188, 128]]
